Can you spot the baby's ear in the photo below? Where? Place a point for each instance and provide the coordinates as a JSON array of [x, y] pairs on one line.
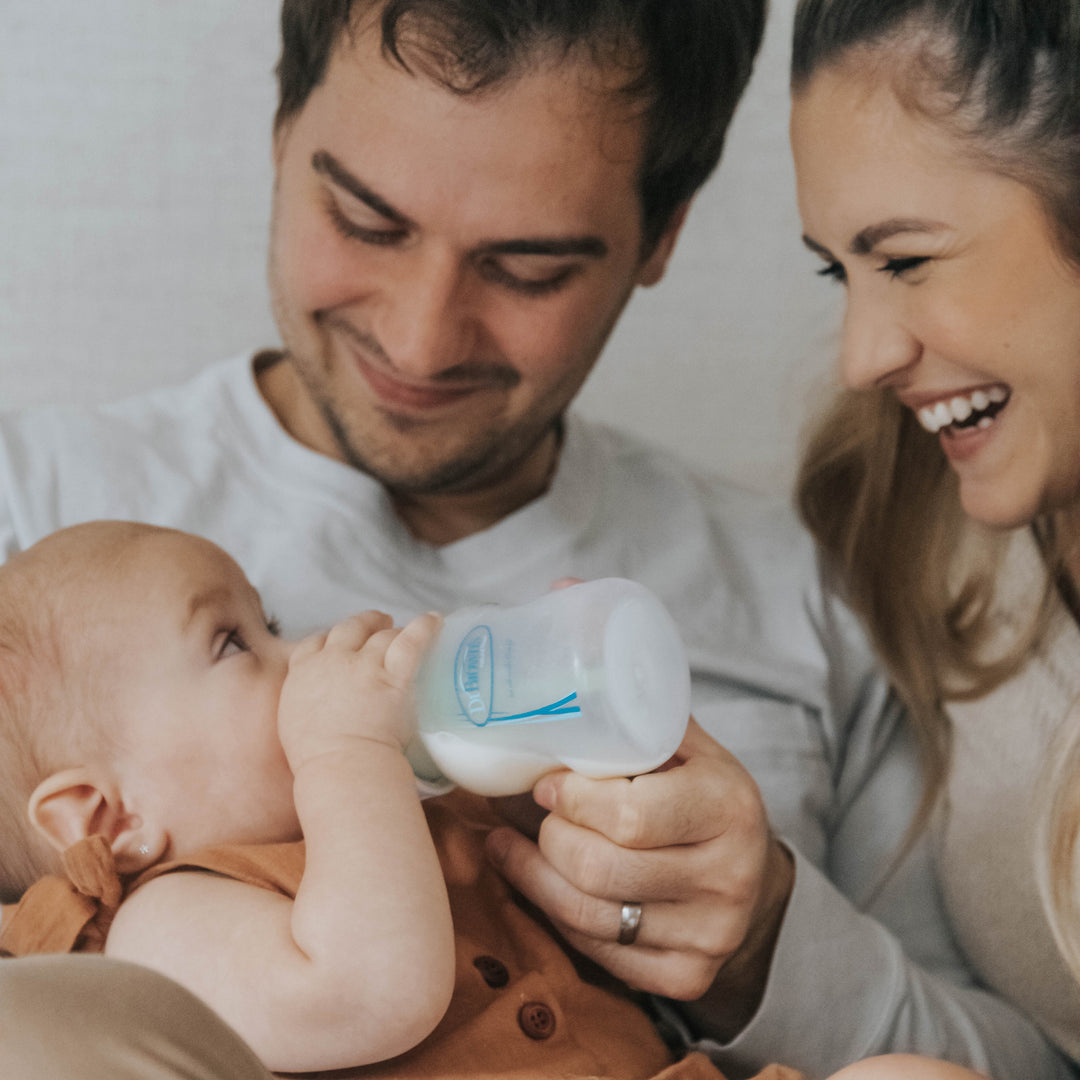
[[73, 804], [76, 803]]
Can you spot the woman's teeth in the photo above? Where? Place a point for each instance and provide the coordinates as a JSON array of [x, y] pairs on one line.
[[977, 409]]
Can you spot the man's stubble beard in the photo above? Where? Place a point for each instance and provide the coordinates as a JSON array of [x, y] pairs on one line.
[[492, 457]]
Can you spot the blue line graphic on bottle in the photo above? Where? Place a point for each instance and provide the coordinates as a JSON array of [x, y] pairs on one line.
[[474, 684]]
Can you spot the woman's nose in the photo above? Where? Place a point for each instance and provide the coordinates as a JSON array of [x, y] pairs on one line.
[[877, 347]]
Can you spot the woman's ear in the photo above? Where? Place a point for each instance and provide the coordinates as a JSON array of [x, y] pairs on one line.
[[76, 803]]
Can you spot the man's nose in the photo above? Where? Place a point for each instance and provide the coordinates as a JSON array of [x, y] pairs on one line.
[[426, 322], [877, 346]]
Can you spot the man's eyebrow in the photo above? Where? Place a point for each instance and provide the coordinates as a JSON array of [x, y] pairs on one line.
[[591, 247], [867, 239], [327, 165], [206, 598]]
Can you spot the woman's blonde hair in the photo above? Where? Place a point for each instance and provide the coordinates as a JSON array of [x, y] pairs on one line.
[[1058, 852], [876, 492]]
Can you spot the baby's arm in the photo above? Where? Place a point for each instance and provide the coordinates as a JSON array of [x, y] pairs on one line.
[[886, 1067], [361, 966], [905, 1067]]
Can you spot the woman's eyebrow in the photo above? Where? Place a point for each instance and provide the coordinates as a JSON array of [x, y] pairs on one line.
[[867, 239], [816, 248]]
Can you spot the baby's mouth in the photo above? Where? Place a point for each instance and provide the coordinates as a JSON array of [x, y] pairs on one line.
[[965, 411]]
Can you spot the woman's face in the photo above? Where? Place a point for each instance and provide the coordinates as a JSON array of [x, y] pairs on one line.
[[958, 300]]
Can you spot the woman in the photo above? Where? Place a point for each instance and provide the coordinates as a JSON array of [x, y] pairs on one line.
[[937, 149]]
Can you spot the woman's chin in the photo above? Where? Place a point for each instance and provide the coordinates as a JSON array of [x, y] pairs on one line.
[[998, 509]]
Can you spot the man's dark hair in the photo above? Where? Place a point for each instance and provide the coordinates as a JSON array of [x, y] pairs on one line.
[[687, 63]]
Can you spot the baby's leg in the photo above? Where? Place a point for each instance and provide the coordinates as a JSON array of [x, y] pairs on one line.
[[905, 1067]]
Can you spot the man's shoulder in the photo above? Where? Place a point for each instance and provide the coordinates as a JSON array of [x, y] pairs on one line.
[[196, 402], [64, 463], [638, 476]]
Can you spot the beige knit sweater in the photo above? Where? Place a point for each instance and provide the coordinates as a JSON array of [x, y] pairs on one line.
[[1003, 745]]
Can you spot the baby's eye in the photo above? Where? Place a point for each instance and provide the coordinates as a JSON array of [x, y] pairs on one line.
[[232, 644]]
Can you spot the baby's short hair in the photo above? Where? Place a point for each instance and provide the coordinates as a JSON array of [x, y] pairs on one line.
[[48, 702], [30, 669]]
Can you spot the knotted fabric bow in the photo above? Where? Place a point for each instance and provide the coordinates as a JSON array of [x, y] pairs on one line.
[[66, 913]]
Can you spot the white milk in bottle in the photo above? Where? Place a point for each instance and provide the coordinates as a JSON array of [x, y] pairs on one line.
[[593, 677]]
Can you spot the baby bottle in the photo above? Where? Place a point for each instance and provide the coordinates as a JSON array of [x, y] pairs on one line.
[[593, 677]]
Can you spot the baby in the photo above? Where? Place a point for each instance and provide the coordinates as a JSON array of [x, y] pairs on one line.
[[148, 701], [237, 812]]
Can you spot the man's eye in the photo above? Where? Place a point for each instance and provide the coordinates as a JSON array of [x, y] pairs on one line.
[[834, 271], [350, 230], [494, 271]]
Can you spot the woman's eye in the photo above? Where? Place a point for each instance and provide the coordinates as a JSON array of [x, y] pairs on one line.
[[273, 625], [834, 271], [232, 645], [897, 267]]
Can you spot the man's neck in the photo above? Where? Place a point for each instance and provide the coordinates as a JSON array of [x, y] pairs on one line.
[[434, 518], [440, 519]]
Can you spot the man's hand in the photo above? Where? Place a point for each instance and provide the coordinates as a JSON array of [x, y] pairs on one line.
[[355, 681], [689, 843]]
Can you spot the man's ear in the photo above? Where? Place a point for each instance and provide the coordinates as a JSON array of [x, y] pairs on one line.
[[652, 269], [76, 803]]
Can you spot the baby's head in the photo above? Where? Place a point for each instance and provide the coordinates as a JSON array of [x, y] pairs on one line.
[[139, 683]]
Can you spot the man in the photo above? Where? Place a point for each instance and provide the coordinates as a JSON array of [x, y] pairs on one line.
[[466, 196]]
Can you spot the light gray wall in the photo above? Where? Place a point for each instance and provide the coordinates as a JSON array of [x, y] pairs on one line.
[[134, 194]]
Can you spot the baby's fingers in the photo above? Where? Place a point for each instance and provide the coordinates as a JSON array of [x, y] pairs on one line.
[[354, 632], [405, 652], [306, 647]]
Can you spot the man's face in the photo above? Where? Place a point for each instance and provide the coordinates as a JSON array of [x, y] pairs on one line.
[[445, 269]]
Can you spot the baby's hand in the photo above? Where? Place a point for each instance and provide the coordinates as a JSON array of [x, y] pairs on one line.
[[353, 682]]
